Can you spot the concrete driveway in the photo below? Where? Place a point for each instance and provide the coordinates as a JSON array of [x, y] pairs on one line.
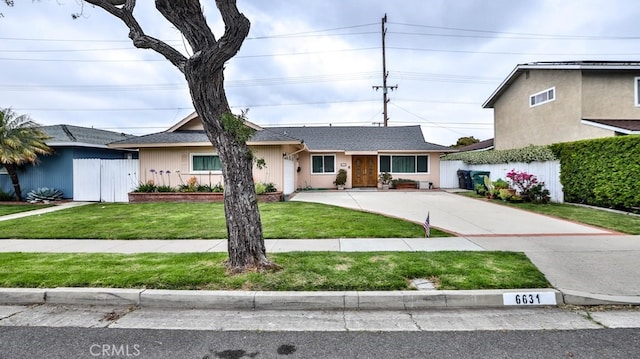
[[579, 260], [451, 212]]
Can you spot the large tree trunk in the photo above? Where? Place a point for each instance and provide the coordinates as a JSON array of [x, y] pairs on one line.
[[244, 228], [12, 171], [204, 74]]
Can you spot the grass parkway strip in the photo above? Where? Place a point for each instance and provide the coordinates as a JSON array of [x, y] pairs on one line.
[[303, 271]]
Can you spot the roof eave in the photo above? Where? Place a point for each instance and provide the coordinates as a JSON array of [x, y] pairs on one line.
[[160, 145], [272, 143], [610, 128], [74, 144]]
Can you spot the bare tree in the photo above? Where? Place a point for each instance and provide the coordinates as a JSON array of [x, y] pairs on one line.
[[227, 132]]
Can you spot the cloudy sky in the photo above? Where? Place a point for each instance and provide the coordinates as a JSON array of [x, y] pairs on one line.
[[311, 62]]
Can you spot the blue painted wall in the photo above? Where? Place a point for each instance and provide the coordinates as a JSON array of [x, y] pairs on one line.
[[56, 170]]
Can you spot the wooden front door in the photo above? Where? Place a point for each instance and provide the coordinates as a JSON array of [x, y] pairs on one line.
[[364, 171]]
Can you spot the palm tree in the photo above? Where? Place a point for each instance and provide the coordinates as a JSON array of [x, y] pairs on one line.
[[21, 141]]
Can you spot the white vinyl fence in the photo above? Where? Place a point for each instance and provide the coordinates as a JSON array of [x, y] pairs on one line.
[[99, 180], [547, 172]]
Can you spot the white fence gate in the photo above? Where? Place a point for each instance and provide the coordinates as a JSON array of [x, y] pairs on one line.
[[289, 177], [99, 180], [547, 172]]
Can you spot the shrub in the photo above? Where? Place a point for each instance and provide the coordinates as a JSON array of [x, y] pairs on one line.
[[538, 194], [165, 188], [526, 154], [5, 196], [190, 186], [147, 187], [44, 194], [497, 185], [262, 188], [528, 187], [601, 172], [521, 181], [218, 188], [341, 178]]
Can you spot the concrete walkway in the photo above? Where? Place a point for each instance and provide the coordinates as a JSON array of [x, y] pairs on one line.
[[38, 212]]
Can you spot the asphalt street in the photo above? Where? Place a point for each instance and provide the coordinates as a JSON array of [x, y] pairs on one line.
[[42, 342]]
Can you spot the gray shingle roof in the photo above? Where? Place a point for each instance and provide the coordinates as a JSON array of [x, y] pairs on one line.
[[198, 136], [332, 138], [355, 138], [84, 135]]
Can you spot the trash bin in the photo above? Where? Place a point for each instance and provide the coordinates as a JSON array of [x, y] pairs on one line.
[[477, 177], [464, 179], [461, 181]]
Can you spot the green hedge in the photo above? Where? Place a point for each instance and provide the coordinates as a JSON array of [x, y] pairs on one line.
[[526, 154], [602, 172]]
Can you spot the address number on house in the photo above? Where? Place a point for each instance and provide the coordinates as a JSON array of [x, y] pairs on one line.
[[529, 298]]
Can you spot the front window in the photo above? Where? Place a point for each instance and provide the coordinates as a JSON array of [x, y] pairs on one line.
[[404, 164], [323, 164], [542, 97], [205, 163]]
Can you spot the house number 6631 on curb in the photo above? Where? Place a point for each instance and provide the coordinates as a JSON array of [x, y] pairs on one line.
[[529, 298]]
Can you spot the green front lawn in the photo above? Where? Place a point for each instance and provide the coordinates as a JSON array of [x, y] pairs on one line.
[[287, 220], [303, 271]]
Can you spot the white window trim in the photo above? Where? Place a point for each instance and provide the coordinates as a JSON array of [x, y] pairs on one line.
[[191, 170], [636, 89], [408, 154], [335, 164], [3, 171], [541, 92]]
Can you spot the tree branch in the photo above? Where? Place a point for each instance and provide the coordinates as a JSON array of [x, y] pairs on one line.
[[123, 10], [187, 16], [236, 28]]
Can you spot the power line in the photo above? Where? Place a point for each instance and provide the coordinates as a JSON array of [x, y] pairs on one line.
[[511, 37], [515, 53], [536, 35], [179, 41]]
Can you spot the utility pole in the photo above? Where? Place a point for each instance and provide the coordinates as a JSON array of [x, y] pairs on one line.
[[385, 74]]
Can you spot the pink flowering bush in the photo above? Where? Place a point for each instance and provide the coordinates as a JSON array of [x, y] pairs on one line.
[[528, 187], [521, 181]]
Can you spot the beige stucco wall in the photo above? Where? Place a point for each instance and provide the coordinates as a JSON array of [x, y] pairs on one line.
[[519, 125], [609, 96], [177, 161], [306, 179], [273, 172]]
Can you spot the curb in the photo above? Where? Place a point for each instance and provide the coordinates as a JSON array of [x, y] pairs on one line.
[[261, 300], [575, 297]]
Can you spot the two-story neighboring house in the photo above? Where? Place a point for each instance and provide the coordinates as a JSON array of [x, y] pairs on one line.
[[542, 103]]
